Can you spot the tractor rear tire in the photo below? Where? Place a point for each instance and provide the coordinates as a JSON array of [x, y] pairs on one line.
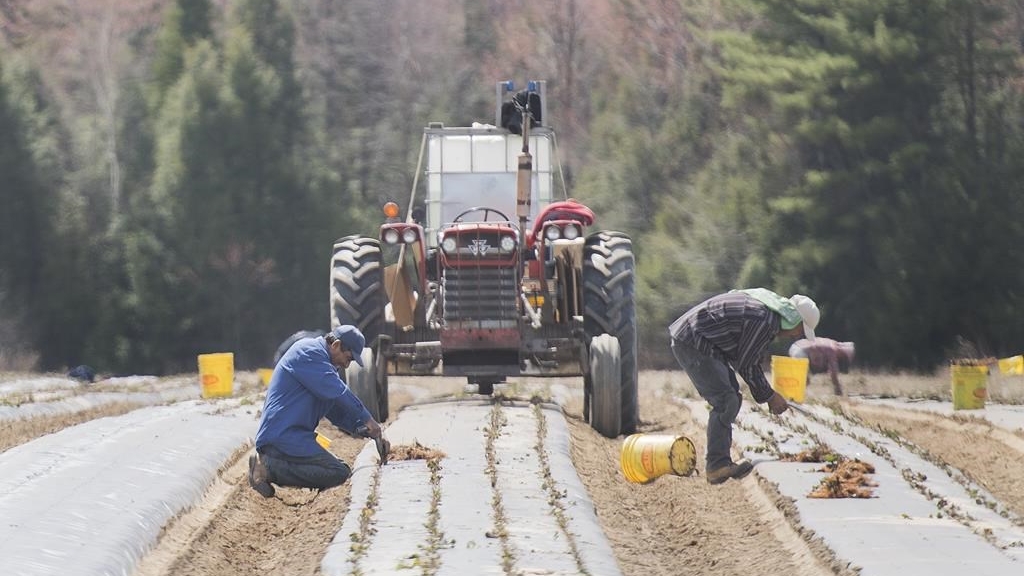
[[606, 384], [609, 286], [284, 346], [363, 381], [357, 286]]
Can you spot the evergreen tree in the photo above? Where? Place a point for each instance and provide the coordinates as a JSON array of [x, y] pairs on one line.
[[185, 23], [26, 232], [46, 234], [869, 210], [977, 121], [234, 224], [659, 167]]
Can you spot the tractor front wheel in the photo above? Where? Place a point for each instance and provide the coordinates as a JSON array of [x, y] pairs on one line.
[[606, 384]]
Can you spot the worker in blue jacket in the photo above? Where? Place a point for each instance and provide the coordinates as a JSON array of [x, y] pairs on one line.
[[306, 387]]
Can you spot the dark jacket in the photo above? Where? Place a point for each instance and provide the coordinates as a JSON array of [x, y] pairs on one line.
[[734, 328]]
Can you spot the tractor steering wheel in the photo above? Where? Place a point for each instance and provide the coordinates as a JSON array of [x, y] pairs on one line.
[[483, 209]]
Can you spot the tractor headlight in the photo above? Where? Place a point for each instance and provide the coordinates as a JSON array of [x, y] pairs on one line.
[[552, 233], [391, 236], [508, 243], [409, 236], [449, 244], [571, 232]]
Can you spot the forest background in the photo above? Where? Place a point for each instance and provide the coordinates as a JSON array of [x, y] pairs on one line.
[[173, 172]]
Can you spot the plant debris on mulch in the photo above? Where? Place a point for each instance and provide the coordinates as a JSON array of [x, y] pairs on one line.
[[846, 479], [816, 454], [415, 451]]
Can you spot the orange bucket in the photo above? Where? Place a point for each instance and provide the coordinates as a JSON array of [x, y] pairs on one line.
[[645, 457]]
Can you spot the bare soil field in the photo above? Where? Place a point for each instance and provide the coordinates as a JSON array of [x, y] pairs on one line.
[[672, 526]]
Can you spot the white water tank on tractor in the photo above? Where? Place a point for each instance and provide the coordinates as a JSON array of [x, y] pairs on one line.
[[477, 166]]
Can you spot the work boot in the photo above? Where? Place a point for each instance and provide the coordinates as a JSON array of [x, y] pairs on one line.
[[258, 477], [735, 470]]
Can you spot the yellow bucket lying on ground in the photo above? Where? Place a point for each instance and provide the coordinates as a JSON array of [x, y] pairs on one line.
[[645, 457], [217, 374], [789, 377], [970, 386]]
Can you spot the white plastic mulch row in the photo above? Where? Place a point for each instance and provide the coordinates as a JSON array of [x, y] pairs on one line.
[[89, 400], [54, 396], [901, 531], [93, 498], [13, 385], [465, 539], [33, 384], [1009, 416]]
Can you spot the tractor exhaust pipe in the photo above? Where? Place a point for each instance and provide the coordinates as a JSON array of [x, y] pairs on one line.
[[523, 179], [524, 175]]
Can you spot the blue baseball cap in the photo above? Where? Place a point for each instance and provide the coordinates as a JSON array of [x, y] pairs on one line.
[[352, 339]]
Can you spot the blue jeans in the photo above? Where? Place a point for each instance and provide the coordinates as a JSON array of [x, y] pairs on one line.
[[716, 383], [320, 471]]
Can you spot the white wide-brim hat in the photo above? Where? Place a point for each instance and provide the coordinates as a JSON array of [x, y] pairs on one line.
[[808, 312]]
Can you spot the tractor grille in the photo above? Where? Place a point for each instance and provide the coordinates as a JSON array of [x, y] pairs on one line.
[[480, 294], [479, 243]]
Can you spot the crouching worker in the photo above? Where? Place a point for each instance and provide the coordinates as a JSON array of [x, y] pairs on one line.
[[306, 387]]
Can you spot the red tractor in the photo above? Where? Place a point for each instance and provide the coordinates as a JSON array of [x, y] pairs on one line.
[[491, 275]]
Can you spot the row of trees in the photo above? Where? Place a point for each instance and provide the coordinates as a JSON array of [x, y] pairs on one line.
[[215, 214], [175, 171], [865, 153]]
